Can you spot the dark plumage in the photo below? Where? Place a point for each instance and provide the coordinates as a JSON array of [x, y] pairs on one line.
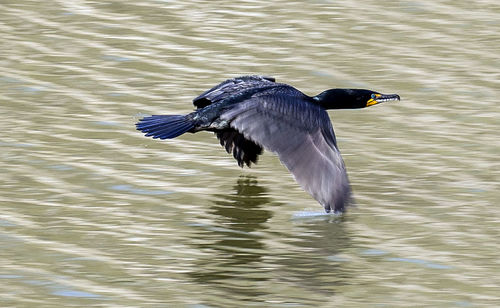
[[250, 113]]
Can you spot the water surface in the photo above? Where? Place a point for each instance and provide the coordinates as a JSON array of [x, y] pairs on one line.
[[92, 213]]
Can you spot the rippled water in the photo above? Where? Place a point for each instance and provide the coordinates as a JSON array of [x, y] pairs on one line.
[[92, 213]]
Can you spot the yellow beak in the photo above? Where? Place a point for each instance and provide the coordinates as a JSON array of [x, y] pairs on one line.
[[380, 98]]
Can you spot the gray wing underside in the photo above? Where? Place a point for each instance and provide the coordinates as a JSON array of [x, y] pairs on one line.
[[302, 136]]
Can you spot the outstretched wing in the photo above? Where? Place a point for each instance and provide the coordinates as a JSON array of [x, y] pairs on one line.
[[231, 87], [302, 135], [245, 151]]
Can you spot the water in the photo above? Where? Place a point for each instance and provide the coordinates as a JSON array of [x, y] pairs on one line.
[[92, 213]]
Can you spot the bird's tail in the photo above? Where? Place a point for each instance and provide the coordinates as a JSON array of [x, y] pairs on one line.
[[164, 126]]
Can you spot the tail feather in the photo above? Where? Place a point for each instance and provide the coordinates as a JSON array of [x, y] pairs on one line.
[[164, 126]]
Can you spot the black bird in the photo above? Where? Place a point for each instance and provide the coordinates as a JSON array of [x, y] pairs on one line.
[[253, 112]]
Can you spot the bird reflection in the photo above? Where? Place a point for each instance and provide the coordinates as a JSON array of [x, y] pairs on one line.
[[306, 255], [242, 210], [315, 261], [237, 217]]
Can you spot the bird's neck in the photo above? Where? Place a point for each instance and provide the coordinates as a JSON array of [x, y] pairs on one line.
[[335, 99]]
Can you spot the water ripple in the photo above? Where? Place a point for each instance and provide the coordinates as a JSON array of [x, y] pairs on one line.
[[92, 211]]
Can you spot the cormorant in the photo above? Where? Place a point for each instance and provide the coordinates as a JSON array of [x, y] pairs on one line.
[[250, 113]]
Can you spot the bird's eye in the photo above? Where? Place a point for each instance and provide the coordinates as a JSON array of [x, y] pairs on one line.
[[373, 96]]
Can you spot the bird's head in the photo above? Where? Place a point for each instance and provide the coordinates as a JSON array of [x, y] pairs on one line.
[[352, 98]]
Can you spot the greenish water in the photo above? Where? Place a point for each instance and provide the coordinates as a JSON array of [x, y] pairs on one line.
[[94, 214]]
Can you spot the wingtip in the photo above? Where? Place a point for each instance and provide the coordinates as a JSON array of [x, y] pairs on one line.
[[341, 202]]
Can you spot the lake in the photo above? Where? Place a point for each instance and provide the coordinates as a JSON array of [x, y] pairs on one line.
[[94, 214]]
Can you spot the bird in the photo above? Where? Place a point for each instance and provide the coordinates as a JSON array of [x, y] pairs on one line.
[[251, 113]]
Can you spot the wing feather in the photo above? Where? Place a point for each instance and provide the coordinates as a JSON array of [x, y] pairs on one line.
[[244, 150], [230, 87], [301, 134]]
